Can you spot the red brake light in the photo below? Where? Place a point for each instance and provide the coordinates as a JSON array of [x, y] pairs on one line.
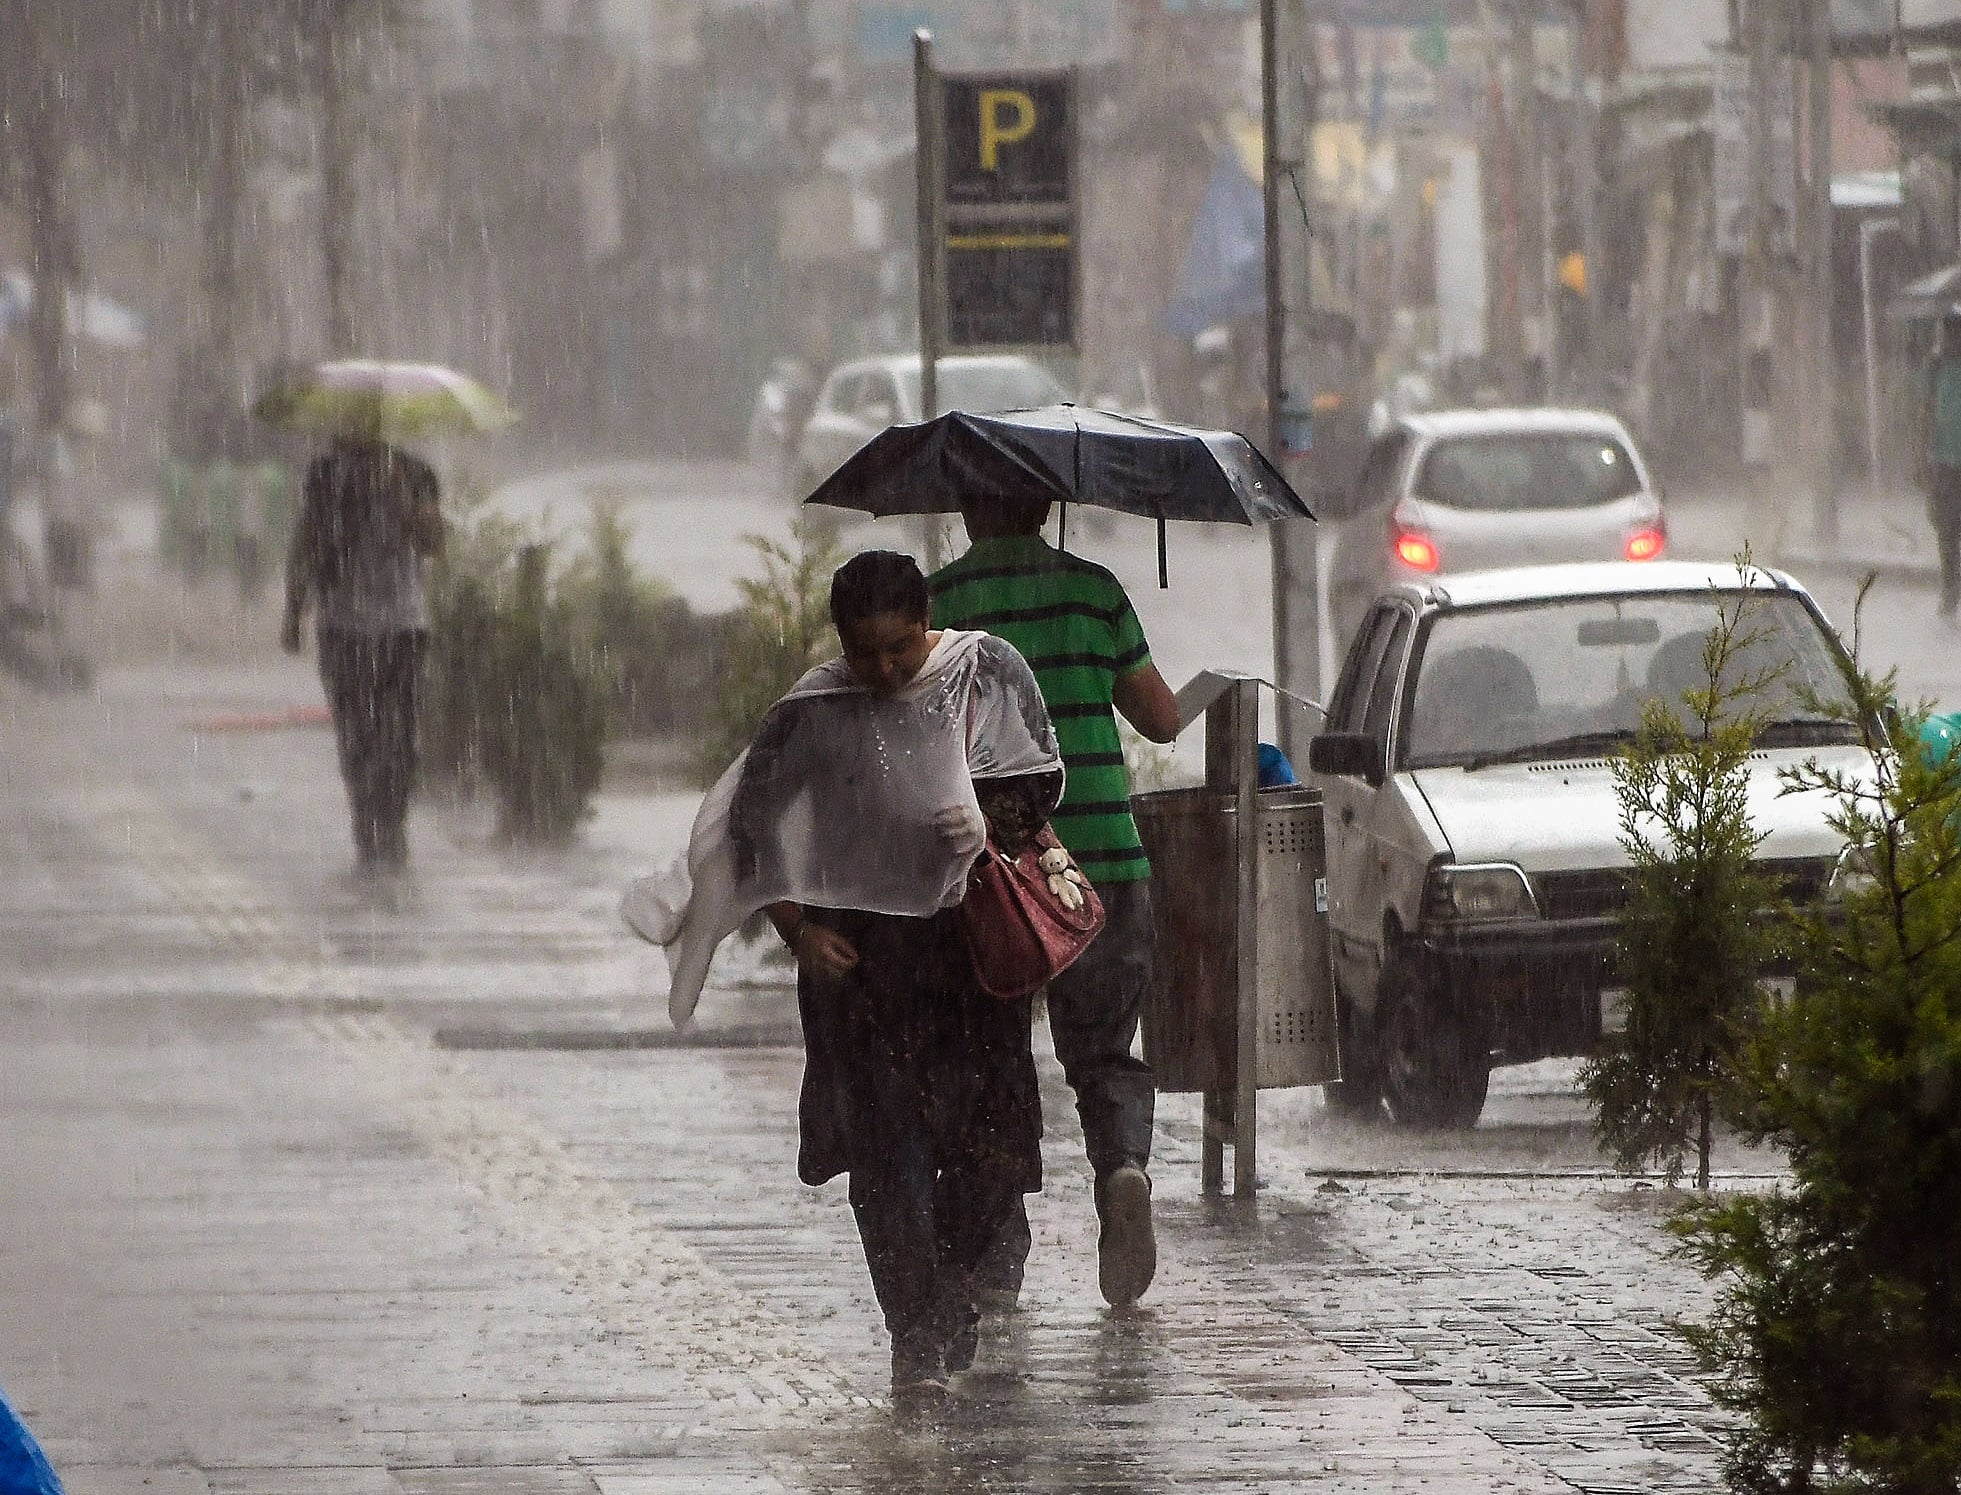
[[1416, 551], [1645, 544]]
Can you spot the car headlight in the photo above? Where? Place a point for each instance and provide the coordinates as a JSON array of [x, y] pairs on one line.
[[1491, 890]]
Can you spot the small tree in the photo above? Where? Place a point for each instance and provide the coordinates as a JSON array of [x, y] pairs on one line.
[[1693, 937], [1837, 1334], [544, 723], [780, 631]]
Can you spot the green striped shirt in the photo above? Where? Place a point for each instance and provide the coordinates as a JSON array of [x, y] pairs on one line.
[[1076, 628]]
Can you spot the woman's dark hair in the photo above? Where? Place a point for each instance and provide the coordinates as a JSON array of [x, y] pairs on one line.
[[879, 581]]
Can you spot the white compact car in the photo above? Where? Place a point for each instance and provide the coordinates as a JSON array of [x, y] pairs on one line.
[[861, 398], [1469, 490], [1475, 868]]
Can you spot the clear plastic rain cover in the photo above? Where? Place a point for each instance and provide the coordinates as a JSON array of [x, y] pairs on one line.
[[834, 802]]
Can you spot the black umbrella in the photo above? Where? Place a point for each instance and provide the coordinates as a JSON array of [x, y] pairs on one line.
[[1069, 454]]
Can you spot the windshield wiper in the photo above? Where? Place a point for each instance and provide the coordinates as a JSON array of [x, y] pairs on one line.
[[1806, 731], [1559, 747]]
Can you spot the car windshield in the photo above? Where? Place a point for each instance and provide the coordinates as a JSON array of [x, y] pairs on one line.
[[1526, 470], [988, 386], [1571, 677]]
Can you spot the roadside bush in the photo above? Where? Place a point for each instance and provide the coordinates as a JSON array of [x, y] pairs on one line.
[[1837, 1333], [1693, 937], [543, 720], [656, 658], [514, 699], [780, 631], [469, 590]]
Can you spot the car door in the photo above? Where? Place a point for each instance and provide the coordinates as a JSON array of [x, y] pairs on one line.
[[1379, 820], [1347, 801]]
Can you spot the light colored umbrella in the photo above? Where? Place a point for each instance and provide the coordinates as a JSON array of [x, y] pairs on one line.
[[375, 397]]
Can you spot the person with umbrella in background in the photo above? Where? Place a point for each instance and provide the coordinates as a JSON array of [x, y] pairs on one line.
[[370, 521], [1075, 625]]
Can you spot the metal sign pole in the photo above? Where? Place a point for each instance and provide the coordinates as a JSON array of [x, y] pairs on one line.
[[927, 151], [1246, 774]]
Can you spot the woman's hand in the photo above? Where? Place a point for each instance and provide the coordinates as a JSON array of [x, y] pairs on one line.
[[823, 952], [962, 827], [820, 950]]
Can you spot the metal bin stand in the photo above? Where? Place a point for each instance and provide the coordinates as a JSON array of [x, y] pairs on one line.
[[1226, 904]]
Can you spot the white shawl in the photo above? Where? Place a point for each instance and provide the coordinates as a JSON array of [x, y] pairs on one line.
[[833, 803]]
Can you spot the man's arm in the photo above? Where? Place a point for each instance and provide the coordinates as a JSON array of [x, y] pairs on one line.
[[1147, 703]]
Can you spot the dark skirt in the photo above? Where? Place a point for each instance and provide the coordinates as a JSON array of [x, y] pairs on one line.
[[908, 1044]]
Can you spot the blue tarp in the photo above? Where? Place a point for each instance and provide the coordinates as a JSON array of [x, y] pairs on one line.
[[1225, 265], [24, 1469]]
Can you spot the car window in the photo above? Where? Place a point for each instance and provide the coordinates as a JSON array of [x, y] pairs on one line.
[[989, 386], [880, 390], [842, 393], [1351, 695], [1528, 470], [1508, 680], [1375, 486], [1382, 694]]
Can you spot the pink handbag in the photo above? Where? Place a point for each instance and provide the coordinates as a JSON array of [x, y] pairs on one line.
[[1019, 934]]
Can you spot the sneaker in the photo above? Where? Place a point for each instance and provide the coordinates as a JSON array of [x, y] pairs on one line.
[[1126, 1248]]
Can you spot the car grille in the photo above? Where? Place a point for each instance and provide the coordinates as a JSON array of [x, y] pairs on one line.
[[1603, 893]]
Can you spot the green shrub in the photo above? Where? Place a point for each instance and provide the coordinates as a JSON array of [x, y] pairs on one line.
[[1693, 938], [470, 589], [1837, 1332], [655, 656], [780, 631], [543, 713]]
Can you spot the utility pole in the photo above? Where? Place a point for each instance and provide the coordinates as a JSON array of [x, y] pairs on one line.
[[1297, 597], [1586, 95], [1526, 149], [927, 167], [1821, 390]]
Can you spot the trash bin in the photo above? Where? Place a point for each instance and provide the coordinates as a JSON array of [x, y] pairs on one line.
[[1191, 1020]]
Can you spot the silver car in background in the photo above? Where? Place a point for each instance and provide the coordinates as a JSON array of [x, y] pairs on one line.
[[861, 398], [1450, 491]]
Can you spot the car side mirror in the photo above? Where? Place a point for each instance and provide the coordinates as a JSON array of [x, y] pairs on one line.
[[1351, 755]]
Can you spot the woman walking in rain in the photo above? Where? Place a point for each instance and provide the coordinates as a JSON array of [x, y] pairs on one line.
[[368, 524], [853, 820]]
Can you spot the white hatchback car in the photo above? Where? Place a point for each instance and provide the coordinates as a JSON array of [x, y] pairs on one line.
[[861, 398], [1475, 866], [1469, 490]]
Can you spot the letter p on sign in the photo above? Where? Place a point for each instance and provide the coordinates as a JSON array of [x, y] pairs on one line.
[[1006, 116]]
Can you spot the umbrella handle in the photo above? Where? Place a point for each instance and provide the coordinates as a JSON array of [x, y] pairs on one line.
[[1164, 570]]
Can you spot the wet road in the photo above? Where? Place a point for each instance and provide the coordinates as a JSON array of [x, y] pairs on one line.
[[305, 1194]]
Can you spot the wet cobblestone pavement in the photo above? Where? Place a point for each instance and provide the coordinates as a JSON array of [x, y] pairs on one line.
[[309, 1196]]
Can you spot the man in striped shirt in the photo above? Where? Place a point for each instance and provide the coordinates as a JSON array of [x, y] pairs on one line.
[[1074, 624]]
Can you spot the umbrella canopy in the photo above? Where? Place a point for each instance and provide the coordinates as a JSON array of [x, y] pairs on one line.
[[1932, 295], [1070, 454], [371, 397]]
